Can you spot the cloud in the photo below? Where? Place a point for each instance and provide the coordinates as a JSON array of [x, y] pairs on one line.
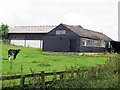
[[13, 11], [77, 19]]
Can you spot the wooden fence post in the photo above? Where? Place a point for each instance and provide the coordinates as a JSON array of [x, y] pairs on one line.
[[72, 74], [61, 76], [78, 73], [22, 81], [43, 79]]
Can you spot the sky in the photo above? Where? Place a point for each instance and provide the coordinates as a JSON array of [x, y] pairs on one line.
[[96, 15]]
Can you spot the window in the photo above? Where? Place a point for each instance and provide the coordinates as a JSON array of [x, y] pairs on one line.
[[59, 32], [102, 43], [92, 42], [88, 42], [109, 45], [83, 42]]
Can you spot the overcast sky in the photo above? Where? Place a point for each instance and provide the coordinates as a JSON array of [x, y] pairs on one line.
[[97, 15]]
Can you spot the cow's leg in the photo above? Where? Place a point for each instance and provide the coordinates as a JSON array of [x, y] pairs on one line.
[[9, 58], [14, 57]]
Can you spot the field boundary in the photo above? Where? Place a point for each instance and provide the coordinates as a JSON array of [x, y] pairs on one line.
[[42, 74]]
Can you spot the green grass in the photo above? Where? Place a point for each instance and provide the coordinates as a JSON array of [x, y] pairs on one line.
[[44, 61]]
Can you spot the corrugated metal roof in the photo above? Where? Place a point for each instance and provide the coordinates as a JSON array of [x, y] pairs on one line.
[[87, 33], [31, 29]]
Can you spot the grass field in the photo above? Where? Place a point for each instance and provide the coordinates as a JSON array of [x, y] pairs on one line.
[[44, 61]]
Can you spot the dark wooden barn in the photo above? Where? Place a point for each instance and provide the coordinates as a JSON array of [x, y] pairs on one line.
[[70, 38], [28, 36]]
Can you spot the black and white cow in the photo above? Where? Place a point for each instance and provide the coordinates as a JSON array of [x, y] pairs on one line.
[[12, 52]]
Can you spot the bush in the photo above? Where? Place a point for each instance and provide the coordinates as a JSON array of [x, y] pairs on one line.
[[4, 33]]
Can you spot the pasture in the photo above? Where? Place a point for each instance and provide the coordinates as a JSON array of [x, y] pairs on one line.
[[36, 60]]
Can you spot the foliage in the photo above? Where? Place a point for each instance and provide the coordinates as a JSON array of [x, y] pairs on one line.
[[4, 32]]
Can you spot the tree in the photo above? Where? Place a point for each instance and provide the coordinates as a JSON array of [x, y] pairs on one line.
[[4, 32]]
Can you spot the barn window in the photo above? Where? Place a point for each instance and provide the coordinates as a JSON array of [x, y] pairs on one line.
[[60, 32], [83, 42], [109, 45], [92, 42], [102, 43], [96, 43], [89, 42]]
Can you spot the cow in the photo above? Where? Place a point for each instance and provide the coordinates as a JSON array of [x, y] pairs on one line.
[[114, 46], [12, 52]]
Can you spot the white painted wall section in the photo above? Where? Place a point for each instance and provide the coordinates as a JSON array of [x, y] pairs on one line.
[[18, 42], [28, 43], [33, 43]]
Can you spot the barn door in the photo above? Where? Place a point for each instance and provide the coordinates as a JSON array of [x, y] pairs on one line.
[[72, 45]]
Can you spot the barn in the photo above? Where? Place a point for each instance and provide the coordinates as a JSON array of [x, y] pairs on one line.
[[28, 36], [74, 38]]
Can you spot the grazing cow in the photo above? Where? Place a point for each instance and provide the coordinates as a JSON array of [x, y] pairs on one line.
[[13, 53], [114, 46]]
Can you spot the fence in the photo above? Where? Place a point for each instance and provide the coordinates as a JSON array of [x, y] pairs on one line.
[[42, 74]]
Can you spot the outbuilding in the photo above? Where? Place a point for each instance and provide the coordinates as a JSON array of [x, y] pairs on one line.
[[74, 38], [28, 36]]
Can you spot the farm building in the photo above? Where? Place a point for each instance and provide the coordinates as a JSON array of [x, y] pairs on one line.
[[29, 36], [70, 38]]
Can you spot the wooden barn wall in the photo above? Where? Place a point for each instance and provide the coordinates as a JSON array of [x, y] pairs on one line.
[[25, 36], [60, 43]]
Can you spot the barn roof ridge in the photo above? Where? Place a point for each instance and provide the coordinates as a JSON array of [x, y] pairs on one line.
[[72, 25], [79, 30], [83, 28], [31, 29], [35, 26]]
